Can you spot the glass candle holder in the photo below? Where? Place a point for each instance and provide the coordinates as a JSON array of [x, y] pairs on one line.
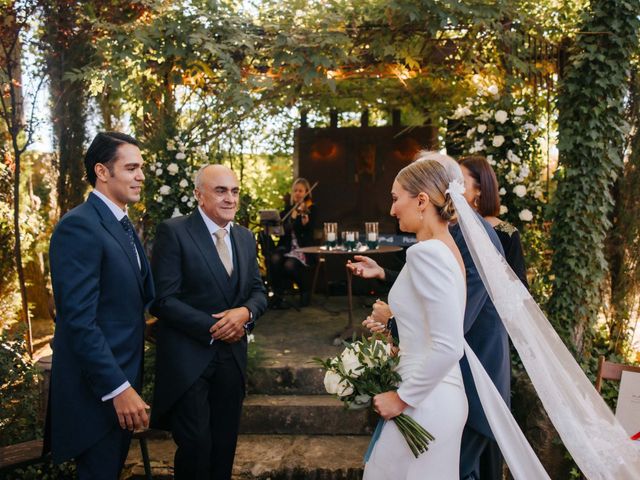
[[350, 240], [371, 235], [330, 235]]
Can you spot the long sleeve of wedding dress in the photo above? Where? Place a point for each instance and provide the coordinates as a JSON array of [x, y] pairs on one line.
[[428, 301]]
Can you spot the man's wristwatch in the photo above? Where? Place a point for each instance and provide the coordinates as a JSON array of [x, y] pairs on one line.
[[250, 324]]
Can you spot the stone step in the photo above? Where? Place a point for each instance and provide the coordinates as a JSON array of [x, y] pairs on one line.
[[275, 457], [303, 415], [284, 380]]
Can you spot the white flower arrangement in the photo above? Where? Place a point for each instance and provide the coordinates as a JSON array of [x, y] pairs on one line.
[[503, 129], [364, 369]]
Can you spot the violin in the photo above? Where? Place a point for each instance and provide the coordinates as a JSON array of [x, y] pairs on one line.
[[303, 206]]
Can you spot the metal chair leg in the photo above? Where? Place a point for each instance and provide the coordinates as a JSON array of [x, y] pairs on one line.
[[145, 458]]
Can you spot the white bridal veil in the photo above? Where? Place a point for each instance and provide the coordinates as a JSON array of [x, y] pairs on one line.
[[596, 440]]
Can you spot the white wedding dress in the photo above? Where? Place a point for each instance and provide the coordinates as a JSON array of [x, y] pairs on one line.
[[428, 301]]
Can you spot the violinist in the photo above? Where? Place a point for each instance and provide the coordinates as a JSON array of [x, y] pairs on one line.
[[288, 264]]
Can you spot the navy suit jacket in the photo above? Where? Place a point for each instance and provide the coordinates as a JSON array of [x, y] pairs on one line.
[[483, 331], [192, 284], [100, 295]]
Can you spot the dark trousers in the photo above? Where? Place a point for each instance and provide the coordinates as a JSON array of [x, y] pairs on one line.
[[480, 457], [285, 270], [105, 459], [206, 419]]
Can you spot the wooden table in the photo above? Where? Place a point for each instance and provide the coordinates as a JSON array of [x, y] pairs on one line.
[[323, 252]]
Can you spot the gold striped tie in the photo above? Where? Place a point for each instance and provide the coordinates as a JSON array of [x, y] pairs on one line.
[[223, 250]]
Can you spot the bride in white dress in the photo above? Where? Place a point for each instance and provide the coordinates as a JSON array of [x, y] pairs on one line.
[[428, 301]]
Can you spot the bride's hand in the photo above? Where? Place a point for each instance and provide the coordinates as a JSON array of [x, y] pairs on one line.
[[388, 405]]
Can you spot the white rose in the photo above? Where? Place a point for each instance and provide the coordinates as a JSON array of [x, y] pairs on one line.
[[331, 381], [345, 388], [351, 363], [158, 172], [520, 190], [184, 199], [498, 140], [461, 112], [158, 164], [190, 204], [493, 90], [529, 126], [183, 183], [482, 128], [512, 157], [173, 168], [176, 213], [251, 338], [470, 132], [180, 156], [171, 146], [519, 111], [502, 191], [503, 209], [479, 145], [484, 116], [501, 116], [526, 215], [164, 190]]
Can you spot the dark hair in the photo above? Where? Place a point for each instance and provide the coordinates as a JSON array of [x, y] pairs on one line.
[[104, 150], [485, 178]]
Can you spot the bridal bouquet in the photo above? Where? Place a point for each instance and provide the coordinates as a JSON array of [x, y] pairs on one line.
[[364, 369]]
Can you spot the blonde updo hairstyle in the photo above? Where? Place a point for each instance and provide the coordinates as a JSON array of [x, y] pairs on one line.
[[430, 177]]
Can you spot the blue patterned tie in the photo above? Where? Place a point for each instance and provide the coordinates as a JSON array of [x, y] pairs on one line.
[[128, 228]]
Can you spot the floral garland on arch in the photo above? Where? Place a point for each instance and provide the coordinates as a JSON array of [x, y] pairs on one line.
[[503, 129], [169, 182]]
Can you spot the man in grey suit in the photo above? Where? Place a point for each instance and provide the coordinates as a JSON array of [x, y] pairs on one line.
[[480, 456], [209, 294]]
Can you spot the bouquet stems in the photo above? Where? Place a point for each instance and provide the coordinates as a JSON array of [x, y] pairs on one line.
[[415, 435]]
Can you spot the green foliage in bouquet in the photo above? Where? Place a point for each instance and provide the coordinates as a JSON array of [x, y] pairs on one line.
[[364, 369]]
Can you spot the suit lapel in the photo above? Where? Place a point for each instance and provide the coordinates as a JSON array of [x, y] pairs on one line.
[[114, 228], [241, 255], [201, 237]]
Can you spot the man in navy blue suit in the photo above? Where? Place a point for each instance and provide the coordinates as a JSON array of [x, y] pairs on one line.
[[209, 295], [101, 284], [480, 456]]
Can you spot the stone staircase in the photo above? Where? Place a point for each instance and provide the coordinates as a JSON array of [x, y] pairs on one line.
[[290, 428]]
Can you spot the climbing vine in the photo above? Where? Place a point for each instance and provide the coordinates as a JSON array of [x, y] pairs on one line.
[[591, 131]]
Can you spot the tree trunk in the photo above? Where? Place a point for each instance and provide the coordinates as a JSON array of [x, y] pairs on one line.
[[68, 48]]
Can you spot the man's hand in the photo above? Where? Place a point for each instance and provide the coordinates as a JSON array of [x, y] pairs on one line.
[[365, 267], [131, 410], [230, 326], [389, 405]]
